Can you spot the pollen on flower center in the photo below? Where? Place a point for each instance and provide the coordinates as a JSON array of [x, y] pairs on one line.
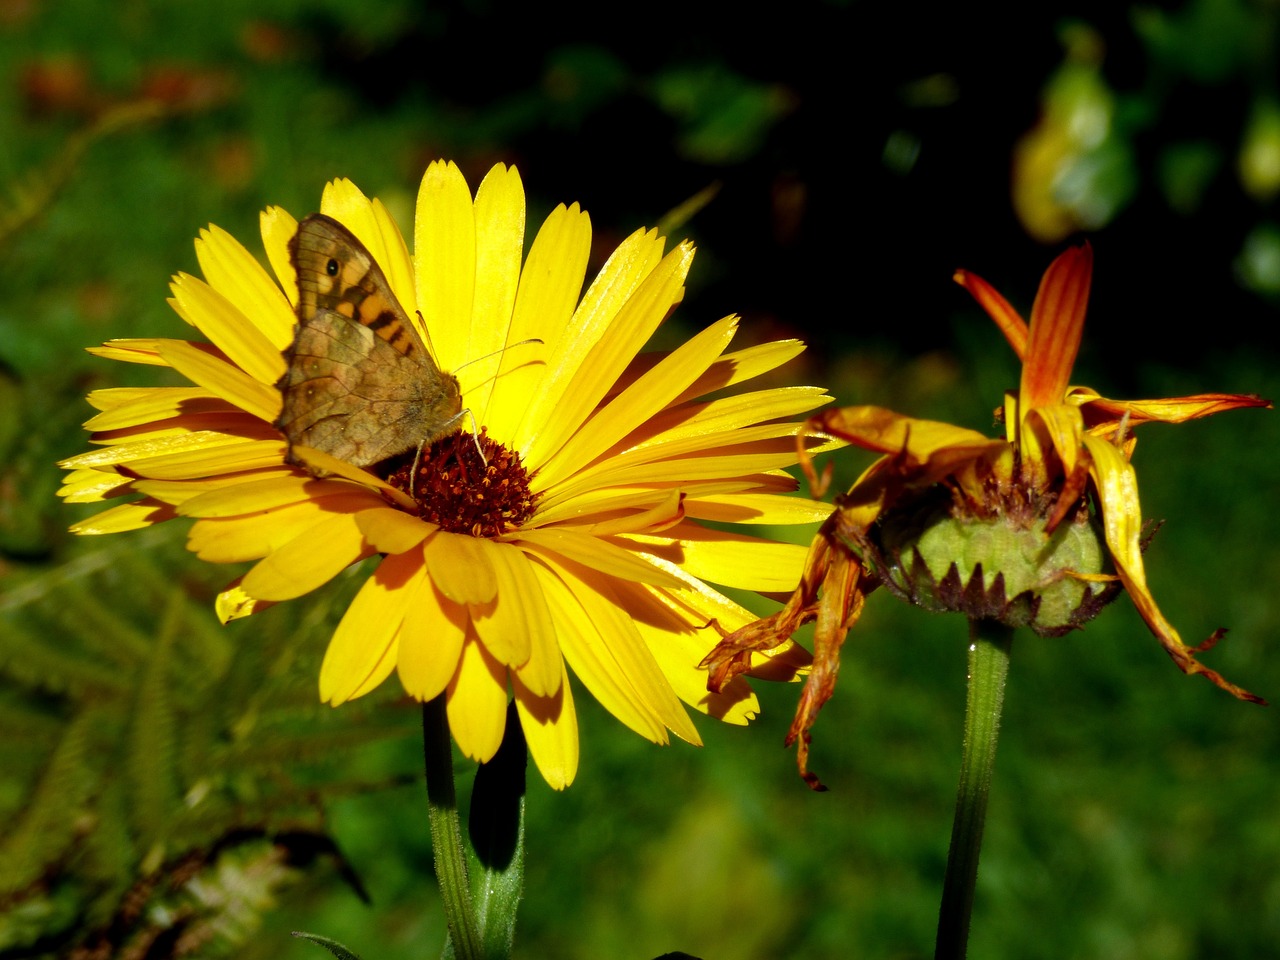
[[463, 493]]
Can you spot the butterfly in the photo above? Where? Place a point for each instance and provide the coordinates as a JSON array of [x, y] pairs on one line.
[[360, 384]]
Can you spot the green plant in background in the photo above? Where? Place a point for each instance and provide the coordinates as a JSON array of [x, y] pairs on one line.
[[159, 753], [1086, 158], [1037, 530]]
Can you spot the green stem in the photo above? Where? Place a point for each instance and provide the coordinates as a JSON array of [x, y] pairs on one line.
[[988, 667], [446, 833]]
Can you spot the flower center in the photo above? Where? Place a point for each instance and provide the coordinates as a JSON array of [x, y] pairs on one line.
[[463, 493]]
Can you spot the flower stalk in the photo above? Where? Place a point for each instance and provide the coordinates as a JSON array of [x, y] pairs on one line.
[[989, 643], [446, 832]]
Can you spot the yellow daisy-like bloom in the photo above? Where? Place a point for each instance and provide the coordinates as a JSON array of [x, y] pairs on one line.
[[575, 540], [1065, 448]]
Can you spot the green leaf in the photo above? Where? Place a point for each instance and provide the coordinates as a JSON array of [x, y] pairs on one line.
[[333, 946]]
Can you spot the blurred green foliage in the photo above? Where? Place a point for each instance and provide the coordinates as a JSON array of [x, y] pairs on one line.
[[862, 153]]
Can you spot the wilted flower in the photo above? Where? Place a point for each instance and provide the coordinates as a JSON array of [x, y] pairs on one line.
[[1039, 529]]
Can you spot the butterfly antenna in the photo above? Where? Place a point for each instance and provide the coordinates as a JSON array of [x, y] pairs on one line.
[[475, 437], [413, 475], [518, 343]]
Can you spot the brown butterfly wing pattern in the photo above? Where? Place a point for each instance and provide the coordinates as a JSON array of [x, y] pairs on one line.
[[360, 385]]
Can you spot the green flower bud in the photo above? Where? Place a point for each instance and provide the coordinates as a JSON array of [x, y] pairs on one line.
[[1001, 566]]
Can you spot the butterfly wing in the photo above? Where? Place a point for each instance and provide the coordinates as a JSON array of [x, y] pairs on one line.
[[360, 385], [336, 272]]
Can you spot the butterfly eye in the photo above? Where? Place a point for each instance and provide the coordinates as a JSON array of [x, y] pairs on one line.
[[331, 267]]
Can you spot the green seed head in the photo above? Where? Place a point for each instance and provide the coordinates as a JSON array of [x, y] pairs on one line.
[[1001, 565]]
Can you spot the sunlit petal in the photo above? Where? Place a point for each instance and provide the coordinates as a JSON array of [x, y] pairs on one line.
[[478, 702], [360, 648], [550, 727], [431, 640]]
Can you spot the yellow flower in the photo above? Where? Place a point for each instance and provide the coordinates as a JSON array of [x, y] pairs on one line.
[[1065, 447], [576, 540]]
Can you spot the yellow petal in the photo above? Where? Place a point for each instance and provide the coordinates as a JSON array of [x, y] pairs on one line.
[[600, 555], [742, 365], [720, 417], [679, 651], [1065, 428], [234, 498], [222, 455], [129, 406], [135, 350], [91, 486], [222, 379], [444, 257], [323, 465], [461, 568], [277, 227], [590, 658], [550, 726], [1170, 410], [634, 324], [178, 492], [640, 401], [548, 422], [1117, 486], [594, 501], [729, 559], [499, 219], [168, 443], [234, 604], [762, 508], [713, 464], [394, 531], [127, 516], [381, 670], [430, 641], [250, 537], [549, 286], [237, 276], [621, 642], [782, 663], [225, 421], [309, 560], [361, 653], [516, 625], [505, 621], [709, 446], [243, 342], [924, 450], [477, 704], [658, 516], [585, 511]]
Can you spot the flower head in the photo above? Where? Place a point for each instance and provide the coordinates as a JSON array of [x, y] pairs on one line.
[[564, 530], [1040, 528]]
